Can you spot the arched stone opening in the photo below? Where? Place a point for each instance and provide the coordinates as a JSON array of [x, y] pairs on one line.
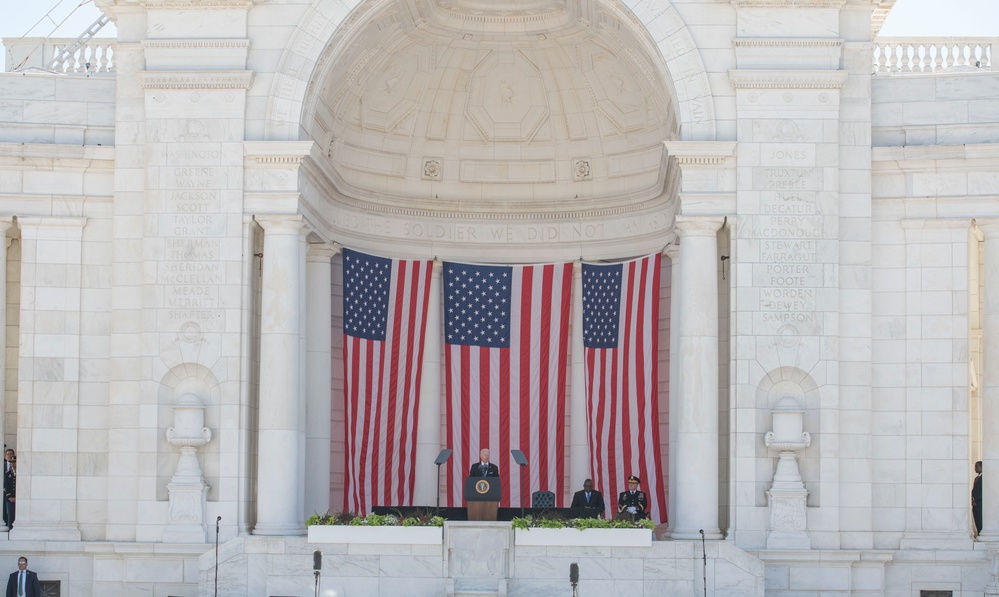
[[465, 125]]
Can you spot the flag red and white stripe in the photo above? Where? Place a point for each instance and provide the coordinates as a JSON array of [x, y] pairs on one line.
[[506, 343], [385, 314], [621, 340]]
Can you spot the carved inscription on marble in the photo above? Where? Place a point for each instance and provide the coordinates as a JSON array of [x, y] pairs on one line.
[[789, 229], [191, 272]]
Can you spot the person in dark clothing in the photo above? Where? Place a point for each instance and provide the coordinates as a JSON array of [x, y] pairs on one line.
[[976, 499], [588, 497], [9, 490]]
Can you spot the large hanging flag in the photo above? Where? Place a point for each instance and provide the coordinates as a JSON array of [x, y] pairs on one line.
[[506, 340], [621, 341], [384, 325]]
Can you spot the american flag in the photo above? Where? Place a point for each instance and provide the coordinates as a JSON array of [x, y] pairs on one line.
[[506, 341], [621, 341], [384, 324]]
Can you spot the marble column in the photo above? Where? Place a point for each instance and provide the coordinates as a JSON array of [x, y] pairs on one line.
[[318, 390], [673, 253], [279, 503], [428, 436], [990, 382], [579, 453], [697, 416]]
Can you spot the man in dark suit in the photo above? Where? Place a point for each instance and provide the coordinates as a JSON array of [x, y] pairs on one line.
[[24, 582], [9, 492], [8, 470], [976, 499], [633, 501], [588, 498], [483, 468]]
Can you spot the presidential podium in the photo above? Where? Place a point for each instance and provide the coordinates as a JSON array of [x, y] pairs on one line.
[[482, 495]]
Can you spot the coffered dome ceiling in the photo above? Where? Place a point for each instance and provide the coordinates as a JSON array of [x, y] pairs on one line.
[[500, 106]]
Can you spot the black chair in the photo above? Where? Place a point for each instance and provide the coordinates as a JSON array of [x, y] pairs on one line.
[[543, 499]]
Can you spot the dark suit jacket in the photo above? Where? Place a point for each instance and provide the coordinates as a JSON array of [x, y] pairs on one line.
[[476, 470], [32, 588], [579, 500], [976, 491]]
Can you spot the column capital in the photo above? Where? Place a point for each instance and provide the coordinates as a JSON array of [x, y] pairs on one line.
[[988, 226], [322, 252], [51, 228], [672, 251], [281, 223], [699, 225]]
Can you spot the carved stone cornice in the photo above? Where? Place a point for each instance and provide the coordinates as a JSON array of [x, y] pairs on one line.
[[788, 3], [287, 153], [196, 79], [784, 42], [701, 153], [206, 44], [188, 4], [788, 79]]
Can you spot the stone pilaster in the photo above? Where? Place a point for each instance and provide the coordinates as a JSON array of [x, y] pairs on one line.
[[318, 392], [426, 490], [673, 253], [6, 224], [936, 506], [579, 451], [990, 382], [49, 385], [279, 491]]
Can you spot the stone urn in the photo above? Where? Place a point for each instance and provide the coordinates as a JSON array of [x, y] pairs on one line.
[[187, 489], [787, 496]]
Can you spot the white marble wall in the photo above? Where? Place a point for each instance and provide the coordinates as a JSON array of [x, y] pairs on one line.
[[39, 108], [938, 109], [674, 568], [97, 347]]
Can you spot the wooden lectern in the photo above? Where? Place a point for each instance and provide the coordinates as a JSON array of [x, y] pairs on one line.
[[482, 494]]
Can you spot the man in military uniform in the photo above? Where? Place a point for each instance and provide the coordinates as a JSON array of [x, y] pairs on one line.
[[633, 501]]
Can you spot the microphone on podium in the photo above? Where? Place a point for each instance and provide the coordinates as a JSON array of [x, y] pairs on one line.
[[317, 560]]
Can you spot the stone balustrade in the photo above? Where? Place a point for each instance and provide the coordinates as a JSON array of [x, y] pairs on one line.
[[892, 55], [904, 55], [96, 57]]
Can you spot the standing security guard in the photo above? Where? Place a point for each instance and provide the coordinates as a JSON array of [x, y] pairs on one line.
[[633, 501]]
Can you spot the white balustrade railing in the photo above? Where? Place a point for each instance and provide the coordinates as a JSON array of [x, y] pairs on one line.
[[96, 57], [904, 55]]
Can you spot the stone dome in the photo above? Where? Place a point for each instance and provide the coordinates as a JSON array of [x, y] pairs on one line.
[[498, 106]]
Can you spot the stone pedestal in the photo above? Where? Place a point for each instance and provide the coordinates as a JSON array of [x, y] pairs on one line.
[[187, 488], [993, 587], [787, 496]]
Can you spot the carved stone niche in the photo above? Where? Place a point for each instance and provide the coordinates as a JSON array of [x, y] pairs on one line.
[[787, 496]]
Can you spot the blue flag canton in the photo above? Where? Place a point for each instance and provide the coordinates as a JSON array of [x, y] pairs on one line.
[[477, 304], [366, 281], [601, 305]]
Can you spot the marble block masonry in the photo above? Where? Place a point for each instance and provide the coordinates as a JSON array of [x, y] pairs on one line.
[[175, 201]]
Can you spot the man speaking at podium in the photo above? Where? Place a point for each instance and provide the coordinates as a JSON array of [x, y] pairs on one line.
[[484, 468]]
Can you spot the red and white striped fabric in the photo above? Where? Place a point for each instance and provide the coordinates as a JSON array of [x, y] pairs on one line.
[[506, 341], [621, 340], [384, 322]]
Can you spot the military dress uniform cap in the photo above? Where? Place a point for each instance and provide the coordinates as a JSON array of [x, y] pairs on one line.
[[634, 479]]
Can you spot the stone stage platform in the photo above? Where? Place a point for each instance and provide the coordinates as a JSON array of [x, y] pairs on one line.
[[480, 559]]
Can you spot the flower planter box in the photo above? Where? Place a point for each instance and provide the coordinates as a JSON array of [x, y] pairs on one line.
[[382, 535], [584, 538]]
